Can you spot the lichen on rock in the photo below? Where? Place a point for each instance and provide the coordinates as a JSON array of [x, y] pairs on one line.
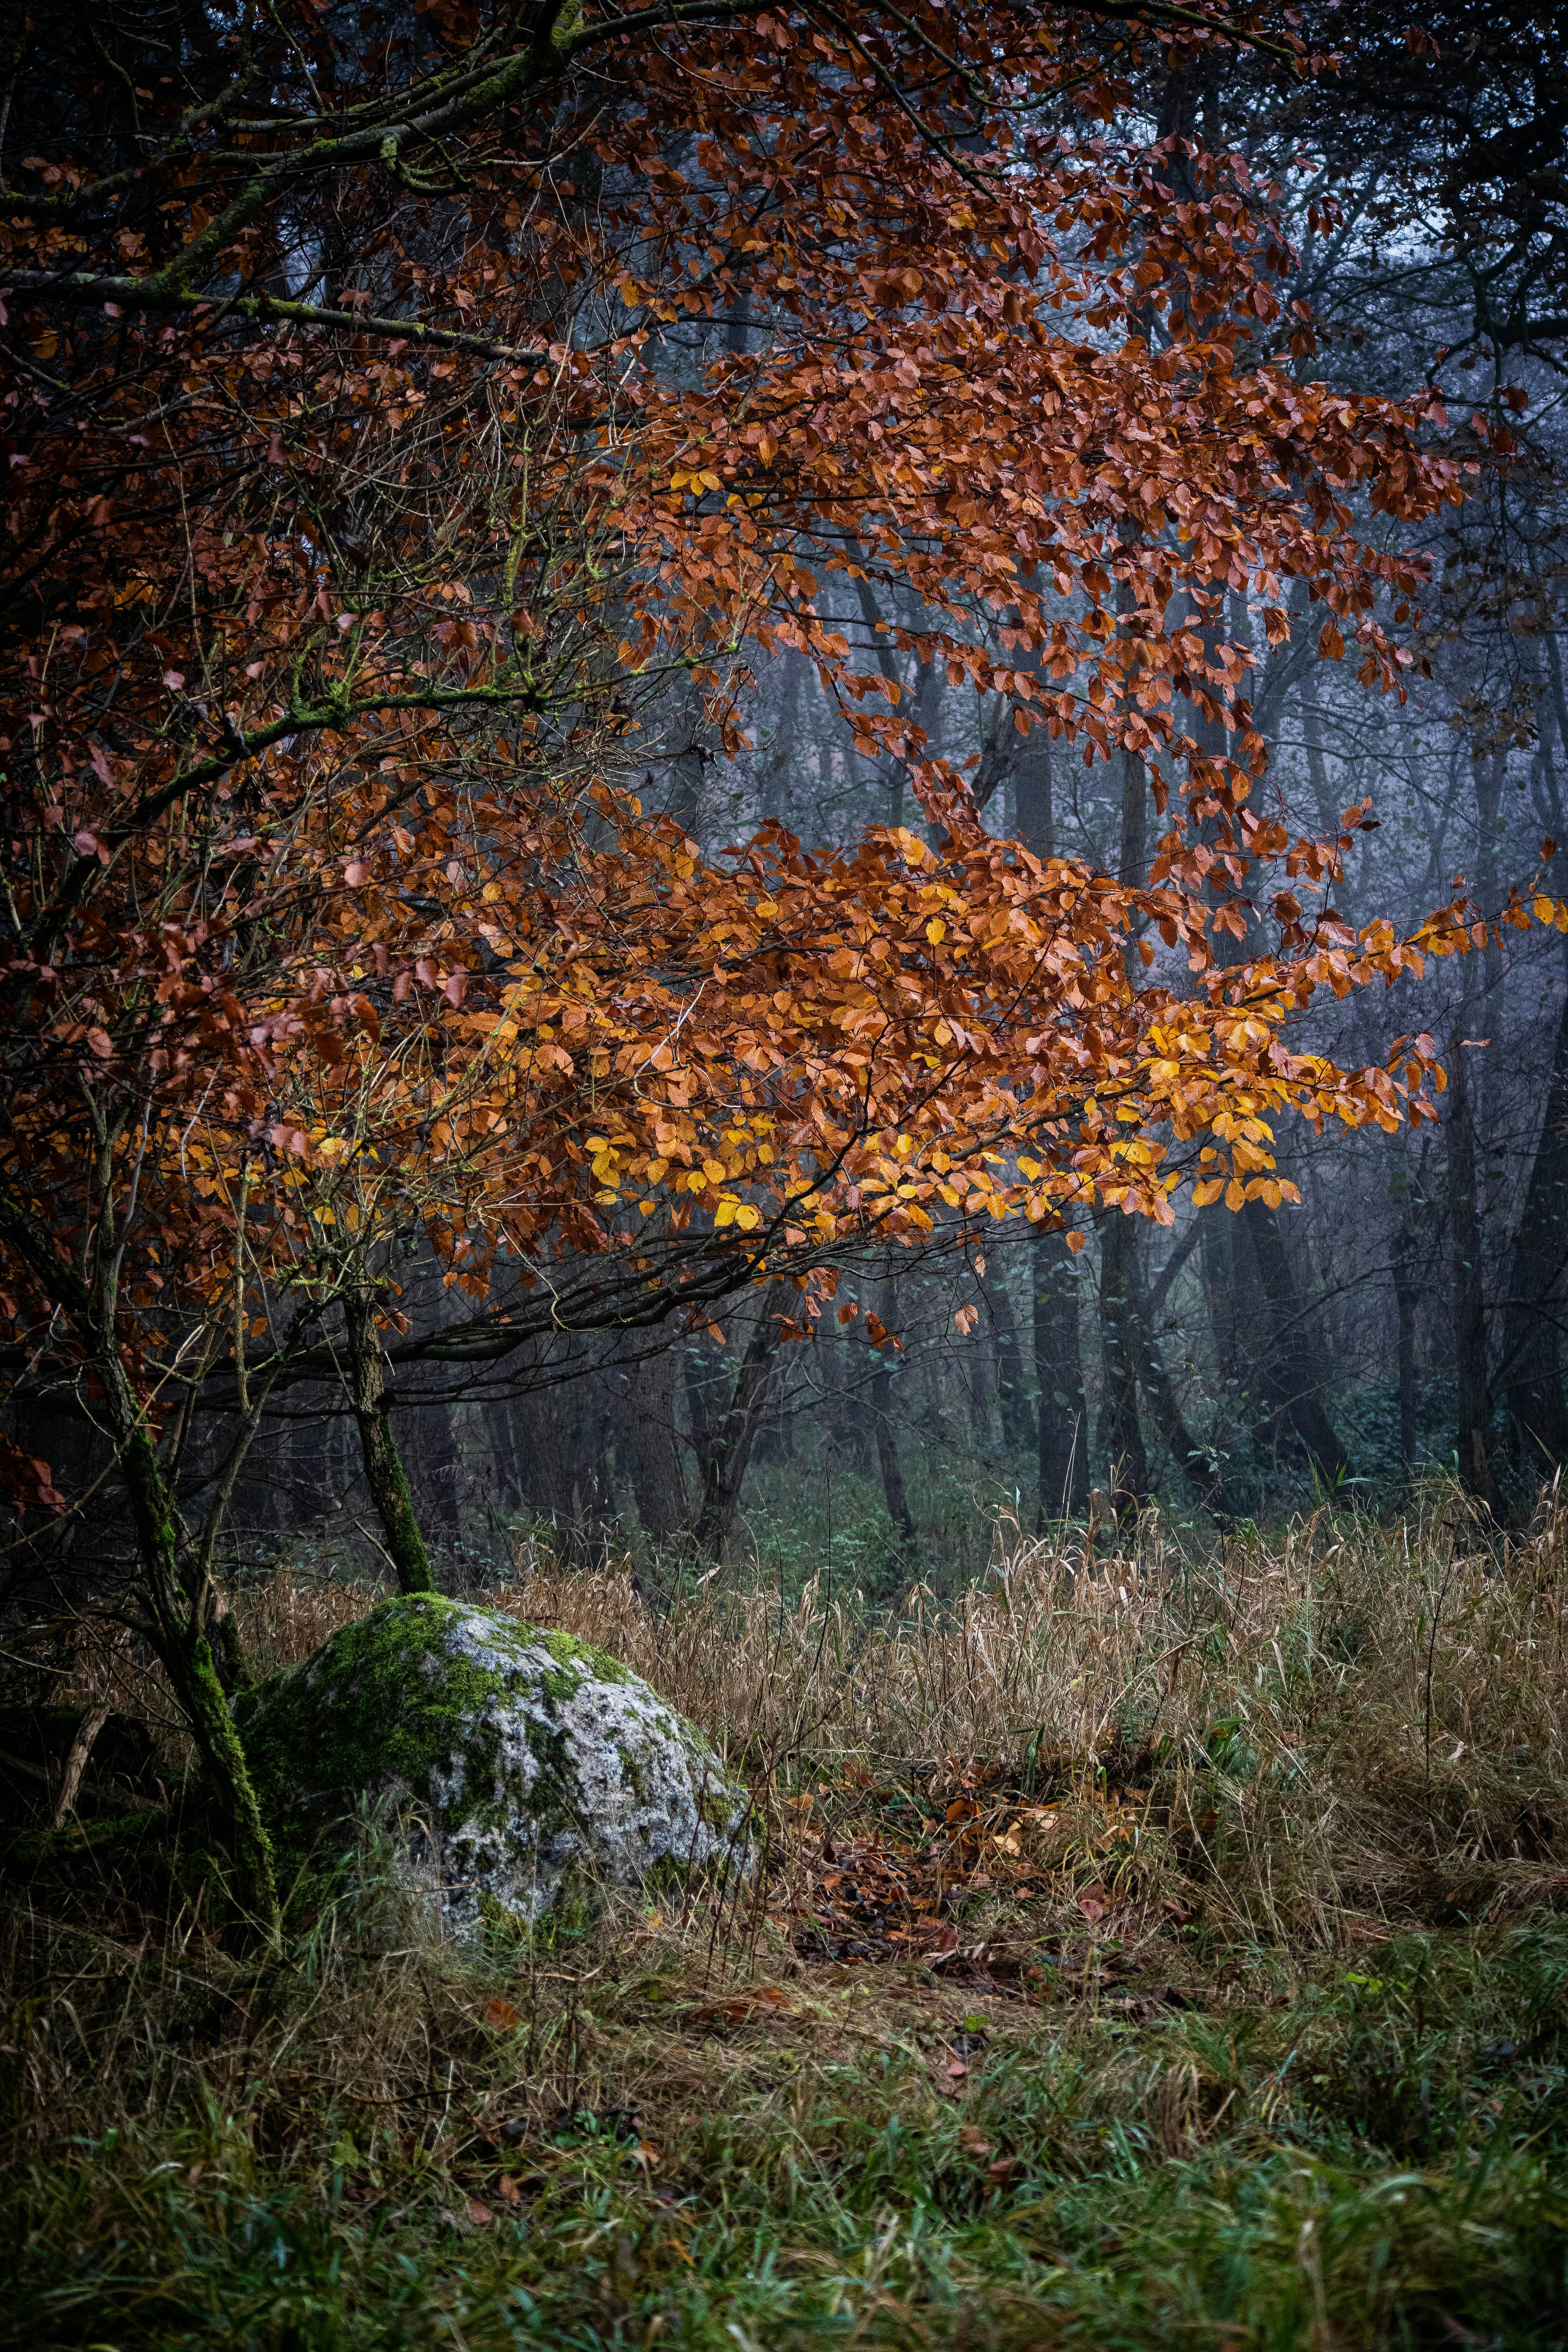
[[521, 1763]]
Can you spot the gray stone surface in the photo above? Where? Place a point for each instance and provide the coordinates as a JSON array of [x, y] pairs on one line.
[[525, 1768]]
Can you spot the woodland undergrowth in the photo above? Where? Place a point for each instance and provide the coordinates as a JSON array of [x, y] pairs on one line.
[[1147, 1951]]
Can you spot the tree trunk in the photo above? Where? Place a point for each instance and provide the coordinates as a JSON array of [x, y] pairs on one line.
[[652, 1447], [1529, 1375], [1121, 1434], [504, 1470], [1406, 1299], [1476, 1474], [1017, 1431], [437, 1467], [883, 1414], [384, 1473], [182, 1641], [1034, 809], [1063, 1431], [729, 1434], [183, 1603], [1289, 1375], [1197, 1464]]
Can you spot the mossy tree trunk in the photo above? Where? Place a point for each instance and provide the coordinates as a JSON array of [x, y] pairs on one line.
[[370, 1398], [184, 1606]]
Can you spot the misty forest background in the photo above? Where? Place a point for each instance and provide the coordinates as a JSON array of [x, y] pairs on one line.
[[1407, 1318]]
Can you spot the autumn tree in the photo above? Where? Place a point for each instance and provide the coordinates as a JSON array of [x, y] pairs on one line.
[[365, 509]]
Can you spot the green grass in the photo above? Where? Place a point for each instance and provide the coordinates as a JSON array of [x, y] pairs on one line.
[[1270, 2050], [1373, 2155]]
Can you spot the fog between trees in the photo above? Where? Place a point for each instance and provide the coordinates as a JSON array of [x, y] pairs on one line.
[[1409, 1316]]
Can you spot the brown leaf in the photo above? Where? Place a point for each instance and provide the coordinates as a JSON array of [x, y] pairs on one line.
[[736, 2008]]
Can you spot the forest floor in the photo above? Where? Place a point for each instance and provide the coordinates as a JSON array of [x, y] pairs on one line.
[[1148, 1953]]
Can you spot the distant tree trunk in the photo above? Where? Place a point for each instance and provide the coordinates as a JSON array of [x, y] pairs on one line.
[[502, 1434], [1289, 1375], [1490, 777], [686, 756], [975, 1358], [1406, 1299], [1476, 1474], [1529, 1375], [369, 1400], [545, 1447], [842, 1411], [1034, 809], [777, 778], [882, 1413], [1311, 731], [1197, 1464], [652, 1447], [1120, 1430], [1017, 1432], [1229, 1280], [437, 1466], [1121, 1434], [593, 1462], [729, 1431], [1063, 1429]]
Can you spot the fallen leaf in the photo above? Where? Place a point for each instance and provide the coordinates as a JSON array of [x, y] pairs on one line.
[[508, 2190], [480, 2215], [501, 2015], [974, 2142], [738, 2007]]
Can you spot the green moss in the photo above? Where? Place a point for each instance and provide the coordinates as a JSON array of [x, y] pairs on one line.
[[596, 1664], [387, 1702], [717, 1807]]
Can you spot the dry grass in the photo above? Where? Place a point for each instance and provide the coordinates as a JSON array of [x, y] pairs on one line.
[[1345, 1725], [1272, 1844]]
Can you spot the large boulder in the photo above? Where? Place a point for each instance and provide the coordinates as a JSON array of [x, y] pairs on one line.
[[520, 1765]]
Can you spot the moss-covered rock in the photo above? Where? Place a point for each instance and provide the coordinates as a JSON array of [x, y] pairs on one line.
[[520, 1761]]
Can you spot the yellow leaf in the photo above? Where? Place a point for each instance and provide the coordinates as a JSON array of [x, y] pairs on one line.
[[936, 931]]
